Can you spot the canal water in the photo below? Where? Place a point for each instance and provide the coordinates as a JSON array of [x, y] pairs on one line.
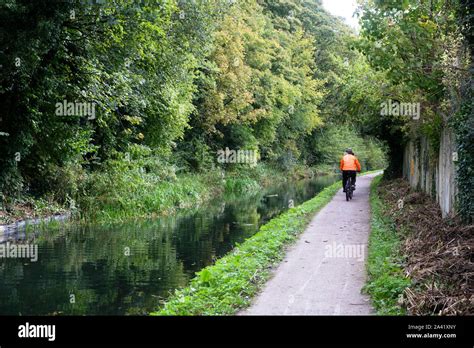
[[130, 268]]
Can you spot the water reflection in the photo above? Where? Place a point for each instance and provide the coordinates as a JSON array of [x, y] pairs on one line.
[[129, 268]]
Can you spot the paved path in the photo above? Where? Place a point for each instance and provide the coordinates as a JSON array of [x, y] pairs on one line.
[[324, 272]]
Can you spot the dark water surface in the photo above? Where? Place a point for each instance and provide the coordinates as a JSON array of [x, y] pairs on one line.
[[129, 268]]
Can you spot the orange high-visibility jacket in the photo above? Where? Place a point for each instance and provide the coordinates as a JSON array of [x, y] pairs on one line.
[[349, 162]]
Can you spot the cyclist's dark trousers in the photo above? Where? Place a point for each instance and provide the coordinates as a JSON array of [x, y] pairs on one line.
[[346, 174]]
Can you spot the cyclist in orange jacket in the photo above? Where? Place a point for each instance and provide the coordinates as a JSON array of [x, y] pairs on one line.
[[349, 165]]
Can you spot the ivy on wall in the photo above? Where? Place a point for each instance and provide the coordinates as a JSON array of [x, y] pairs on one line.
[[463, 121], [463, 125]]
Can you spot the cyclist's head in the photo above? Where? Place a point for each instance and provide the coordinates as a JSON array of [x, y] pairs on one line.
[[349, 151]]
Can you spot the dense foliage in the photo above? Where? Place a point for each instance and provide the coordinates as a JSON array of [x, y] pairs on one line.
[[171, 83], [425, 50]]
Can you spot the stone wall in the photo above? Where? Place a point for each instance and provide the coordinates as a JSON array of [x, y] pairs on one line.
[[435, 175]]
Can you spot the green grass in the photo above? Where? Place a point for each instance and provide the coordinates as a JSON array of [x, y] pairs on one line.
[[386, 281], [133, 195], [238, 185], [228, 286]]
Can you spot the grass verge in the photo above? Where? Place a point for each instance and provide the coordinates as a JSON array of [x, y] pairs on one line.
[[229, 284], [386, 281]]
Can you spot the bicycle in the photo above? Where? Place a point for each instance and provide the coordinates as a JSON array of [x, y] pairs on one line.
[[349, 189]]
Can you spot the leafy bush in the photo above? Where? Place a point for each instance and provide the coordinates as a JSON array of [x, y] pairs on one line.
[[139, 185]]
